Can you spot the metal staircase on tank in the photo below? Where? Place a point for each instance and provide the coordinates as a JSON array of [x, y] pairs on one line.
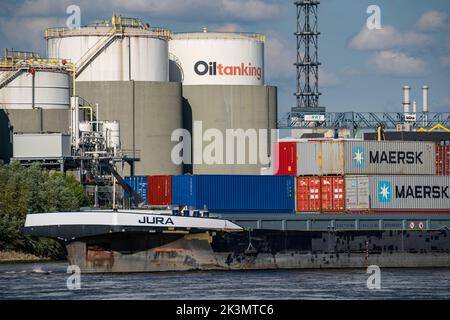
[[9, 76], [97, 49]]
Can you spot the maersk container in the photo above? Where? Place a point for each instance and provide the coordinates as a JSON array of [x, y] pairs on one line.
[[320, 158], [390, 157], [366, 157], [357, 193], [140, 185], [410, 192], [235, 193]]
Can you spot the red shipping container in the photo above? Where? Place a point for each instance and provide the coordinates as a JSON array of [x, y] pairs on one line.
[[285, 159], [440, 159], [308, 194], [446, 160], [159, 190], [333, 193]]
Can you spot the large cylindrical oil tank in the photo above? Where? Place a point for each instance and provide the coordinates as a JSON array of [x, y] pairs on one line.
[[223, 89], [204, 58], [36, 88], [135, 52]]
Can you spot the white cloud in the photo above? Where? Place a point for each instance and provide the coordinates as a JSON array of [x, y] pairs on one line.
[[397, 64], [328, 79], [387, 38], [433, 21], [445, 61], [28, 33], [280, 56], [446, 101], [227, 27], [218, 10]]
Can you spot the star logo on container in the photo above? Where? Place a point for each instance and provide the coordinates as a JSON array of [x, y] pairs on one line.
[[359, 159], [384, 191]]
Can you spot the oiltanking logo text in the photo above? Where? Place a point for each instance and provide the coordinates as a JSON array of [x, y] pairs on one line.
[[218, 69]]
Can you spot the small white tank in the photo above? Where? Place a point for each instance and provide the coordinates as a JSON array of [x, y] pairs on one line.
[[84, 126], [39, 88], [111, 132]]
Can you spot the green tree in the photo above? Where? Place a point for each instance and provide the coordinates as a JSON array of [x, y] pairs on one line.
[[33, 190]]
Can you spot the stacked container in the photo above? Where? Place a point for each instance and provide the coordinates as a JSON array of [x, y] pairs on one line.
[[235, 193], [154, 190], [443, 159], [139, 184], [369, 176], [159, 190]]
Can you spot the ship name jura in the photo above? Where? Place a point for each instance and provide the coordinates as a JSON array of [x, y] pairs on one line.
[[156, 220]]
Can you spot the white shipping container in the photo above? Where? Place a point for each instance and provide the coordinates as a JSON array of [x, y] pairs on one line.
[[357, 195], [390, 157], [41, 145], [366, 157], [410, 192], [320, 158]]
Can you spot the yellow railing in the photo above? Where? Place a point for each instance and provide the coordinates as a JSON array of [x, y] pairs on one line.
[[166, 33], [11, 57], [198, 35], [117, 23]]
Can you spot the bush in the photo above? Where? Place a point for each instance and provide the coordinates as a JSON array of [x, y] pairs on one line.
[[33, 190]]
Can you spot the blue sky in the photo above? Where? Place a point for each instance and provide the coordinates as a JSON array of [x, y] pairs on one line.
[[361, 70]]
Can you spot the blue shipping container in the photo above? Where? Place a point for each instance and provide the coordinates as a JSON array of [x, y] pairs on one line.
[[235, 193], [138, 184]]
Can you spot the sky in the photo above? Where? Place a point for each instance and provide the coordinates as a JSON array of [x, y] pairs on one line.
[[362, 69]]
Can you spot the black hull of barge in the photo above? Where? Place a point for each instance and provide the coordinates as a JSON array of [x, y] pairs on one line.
[[259, 250]]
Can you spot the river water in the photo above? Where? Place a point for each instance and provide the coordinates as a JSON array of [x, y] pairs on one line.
[[48, 280]]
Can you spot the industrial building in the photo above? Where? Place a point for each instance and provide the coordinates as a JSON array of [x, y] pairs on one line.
[[151, 82], [34, 97]]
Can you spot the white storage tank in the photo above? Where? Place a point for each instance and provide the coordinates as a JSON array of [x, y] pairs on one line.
[[37, 87], [111, 132], [122, 49], [217, 58]]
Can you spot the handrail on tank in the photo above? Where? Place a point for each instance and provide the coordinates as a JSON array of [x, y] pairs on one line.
[[117, 23], [252, 35], [17, 59]]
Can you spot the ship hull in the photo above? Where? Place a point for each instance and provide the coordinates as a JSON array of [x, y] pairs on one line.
[[259, 250]]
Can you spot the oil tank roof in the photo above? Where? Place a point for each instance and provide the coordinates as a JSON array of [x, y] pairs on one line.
[[129, 26], [220, 35]]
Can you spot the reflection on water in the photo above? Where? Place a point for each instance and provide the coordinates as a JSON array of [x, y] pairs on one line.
[[48, 281]]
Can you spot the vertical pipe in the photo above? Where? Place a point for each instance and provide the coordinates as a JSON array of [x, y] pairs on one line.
[[114, 192], [425, 98], [76, 121], [134, 129], [33, 88], [41, 120], [129, 58], [406, 98]]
